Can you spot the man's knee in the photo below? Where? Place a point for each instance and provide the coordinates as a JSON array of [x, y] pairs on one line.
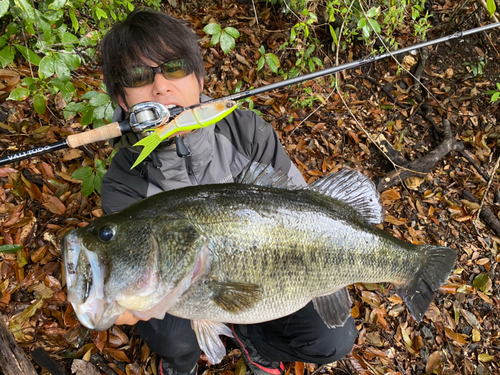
[[332, 344], [175, 342]]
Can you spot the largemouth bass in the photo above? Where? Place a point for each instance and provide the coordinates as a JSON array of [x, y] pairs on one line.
[[245, 252]]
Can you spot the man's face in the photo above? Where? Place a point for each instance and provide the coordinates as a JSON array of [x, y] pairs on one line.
[[182, 92]]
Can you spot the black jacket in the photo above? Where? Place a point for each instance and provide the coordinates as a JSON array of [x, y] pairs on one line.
[[218, 154]]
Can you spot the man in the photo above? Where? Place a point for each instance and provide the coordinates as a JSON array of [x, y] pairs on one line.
[[154, 57]]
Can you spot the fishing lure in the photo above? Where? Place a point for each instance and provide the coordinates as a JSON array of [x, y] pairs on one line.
[[191, 119]]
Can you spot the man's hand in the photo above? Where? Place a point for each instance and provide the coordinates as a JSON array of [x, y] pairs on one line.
[[127, 318]]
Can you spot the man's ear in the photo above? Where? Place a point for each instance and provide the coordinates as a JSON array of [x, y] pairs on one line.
[[201, 81], [121, 102]]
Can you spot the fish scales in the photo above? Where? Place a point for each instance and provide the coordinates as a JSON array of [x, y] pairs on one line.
[[327, 244], [245, 252]]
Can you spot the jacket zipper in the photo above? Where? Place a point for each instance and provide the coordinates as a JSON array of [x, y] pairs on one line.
[[190, 171]]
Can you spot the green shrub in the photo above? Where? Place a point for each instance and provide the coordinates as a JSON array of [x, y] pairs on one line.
[[53, 38]]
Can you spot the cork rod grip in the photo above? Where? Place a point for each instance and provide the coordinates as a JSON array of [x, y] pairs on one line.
[[100, 134]]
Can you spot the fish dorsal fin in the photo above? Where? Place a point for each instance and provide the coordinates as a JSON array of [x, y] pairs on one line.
[[355, 189], [265, 175]]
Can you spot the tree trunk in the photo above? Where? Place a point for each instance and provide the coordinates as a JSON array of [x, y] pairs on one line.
[[13, 360]]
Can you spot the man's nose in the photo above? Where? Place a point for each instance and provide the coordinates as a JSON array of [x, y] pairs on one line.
[[160, 83]]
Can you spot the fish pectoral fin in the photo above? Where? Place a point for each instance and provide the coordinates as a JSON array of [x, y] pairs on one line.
[[334, 309], [234, 297], [207, 334]]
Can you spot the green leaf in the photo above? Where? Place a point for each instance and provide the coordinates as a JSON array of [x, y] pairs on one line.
[[65, 87], [71, 60], [69, 40], [7, 56], [74, 21], [98, 122], [51, 17], [19, 94], [374, 24], [262, 50], [109, 112], [334, 35], [491, 7], [260, 63], [39, 103], [215, 39], [273, 62], [4, 7], [212, 28], [28, 10], [100, 166], [481, 281], [90, 39], [61, 68], [373, 12], [100, 15], [98, 183], [226, 42], [46, 68], [89, 95], [28, 54], [88, 117], [10, 248], [311, 65], [72, 108], [495, 96], [317, 61], [88, 185], [367, 31], [58, 4], [82, 173], [99, 100], [232, 31]]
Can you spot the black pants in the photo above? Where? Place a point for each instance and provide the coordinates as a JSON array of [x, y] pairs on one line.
[[301, 337]]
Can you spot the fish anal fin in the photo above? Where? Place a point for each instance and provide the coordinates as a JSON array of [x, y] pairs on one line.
[[207, 334], [418, 292], [334, 309], [234, 297]]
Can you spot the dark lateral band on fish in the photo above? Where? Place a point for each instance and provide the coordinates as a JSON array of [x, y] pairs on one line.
[[245, 252]]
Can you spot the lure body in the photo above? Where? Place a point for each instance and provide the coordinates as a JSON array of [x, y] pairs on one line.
[[196, 118]]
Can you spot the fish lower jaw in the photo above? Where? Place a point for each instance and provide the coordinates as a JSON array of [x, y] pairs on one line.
[[87, 315]]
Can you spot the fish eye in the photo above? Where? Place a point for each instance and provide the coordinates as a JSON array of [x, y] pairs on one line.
[[106, 234]]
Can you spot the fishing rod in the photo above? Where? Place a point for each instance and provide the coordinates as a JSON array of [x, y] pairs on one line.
[[153, 118]]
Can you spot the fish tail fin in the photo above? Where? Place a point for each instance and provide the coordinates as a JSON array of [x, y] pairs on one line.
[[418, 292]]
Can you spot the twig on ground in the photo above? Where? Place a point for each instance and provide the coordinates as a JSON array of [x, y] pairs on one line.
[[424, 164], [485, 213]]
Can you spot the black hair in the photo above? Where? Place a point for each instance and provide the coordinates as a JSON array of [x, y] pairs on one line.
[[147, 35]]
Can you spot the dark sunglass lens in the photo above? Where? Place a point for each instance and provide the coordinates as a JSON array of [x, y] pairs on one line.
[[138, 76], [175, 69]]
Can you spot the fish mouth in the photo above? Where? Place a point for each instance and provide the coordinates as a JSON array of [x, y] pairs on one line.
[[85, 284]]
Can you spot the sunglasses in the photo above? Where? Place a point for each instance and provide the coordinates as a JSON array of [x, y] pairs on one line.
[[144, 75]]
